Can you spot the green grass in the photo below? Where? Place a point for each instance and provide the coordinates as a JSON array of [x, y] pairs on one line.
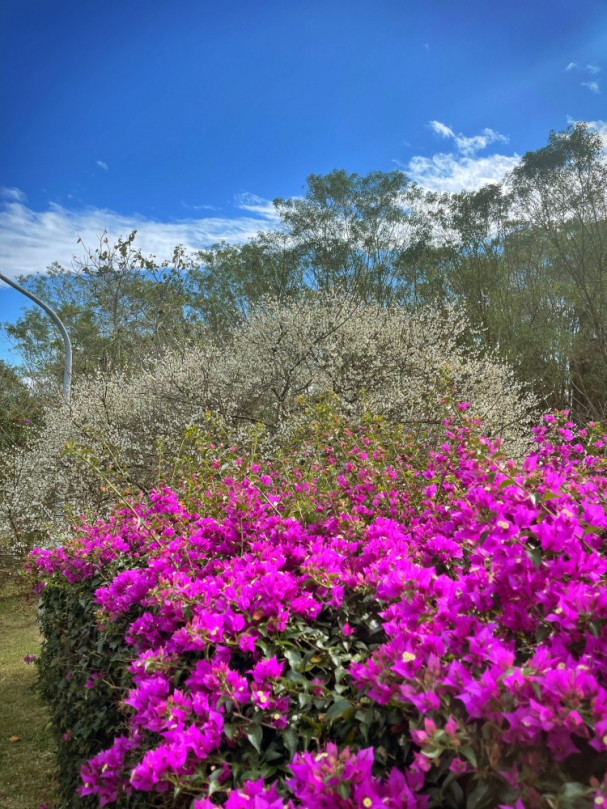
[[26, 749]]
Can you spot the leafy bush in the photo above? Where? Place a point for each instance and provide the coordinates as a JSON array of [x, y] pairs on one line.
[[364, 622], [384, 359]]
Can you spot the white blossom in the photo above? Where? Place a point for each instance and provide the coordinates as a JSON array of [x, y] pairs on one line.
[[387, 359]]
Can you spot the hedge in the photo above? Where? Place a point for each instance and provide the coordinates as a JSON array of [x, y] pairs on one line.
[[367, 620]]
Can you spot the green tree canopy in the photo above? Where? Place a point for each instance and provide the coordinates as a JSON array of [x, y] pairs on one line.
[[526, 259]]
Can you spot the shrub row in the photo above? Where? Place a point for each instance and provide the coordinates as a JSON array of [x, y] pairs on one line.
[[365, 621]]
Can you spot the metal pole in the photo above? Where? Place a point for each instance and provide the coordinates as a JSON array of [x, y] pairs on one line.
[[67, 374]]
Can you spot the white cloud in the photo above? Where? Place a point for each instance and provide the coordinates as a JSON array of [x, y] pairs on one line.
[[102, 165], [461, 168], [442, 129], [31, 240], [199, 207], [600, 127], [472, 145], [255, 204], [452, 172], [583, 68], [14, 194], [593, 86], [468, 146]]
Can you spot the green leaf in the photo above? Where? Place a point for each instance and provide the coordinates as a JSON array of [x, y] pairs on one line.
[[214, 786], [573, 789], [294, 658], [290, 739], [337, 709], [535, 555], [344, 790], [470, 755], [304, 700], [254, 734]]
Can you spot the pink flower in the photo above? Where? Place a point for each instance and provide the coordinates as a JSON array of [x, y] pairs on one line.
[[458, 766]]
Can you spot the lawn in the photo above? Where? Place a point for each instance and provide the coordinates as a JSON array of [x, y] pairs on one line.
[[26, 749]]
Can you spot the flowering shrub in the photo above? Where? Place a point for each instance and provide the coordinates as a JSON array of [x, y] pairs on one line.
[[399, 363], [364, 622]]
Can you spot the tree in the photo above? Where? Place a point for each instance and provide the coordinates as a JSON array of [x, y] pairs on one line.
[[355, 234], [119, 307], [368, 358], [560, 200], [495, 268], [526, 259], [19, 409]]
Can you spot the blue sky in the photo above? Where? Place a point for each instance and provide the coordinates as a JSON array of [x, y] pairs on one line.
[[184, 118]]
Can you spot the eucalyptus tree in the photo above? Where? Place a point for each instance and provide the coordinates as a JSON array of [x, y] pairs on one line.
[[559, 200]]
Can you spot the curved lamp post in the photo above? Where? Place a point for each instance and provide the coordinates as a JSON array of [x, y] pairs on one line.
[[67, 373]]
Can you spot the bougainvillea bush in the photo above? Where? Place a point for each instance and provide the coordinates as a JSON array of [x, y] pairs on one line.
[[363, 622]]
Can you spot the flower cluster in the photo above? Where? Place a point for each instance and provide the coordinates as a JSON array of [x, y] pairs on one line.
[[370, 625], [332, 779]]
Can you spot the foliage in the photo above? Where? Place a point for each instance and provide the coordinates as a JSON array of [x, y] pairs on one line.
[[19, 409], [525, 259], [370, 620], [393, 362], [528, 259], [560, 194], [118, 305], [84, 719]]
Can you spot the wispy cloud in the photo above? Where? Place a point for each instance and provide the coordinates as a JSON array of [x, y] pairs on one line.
[[441, 129], [450, 172], [255, 204], [198, 207], [468, 146], [102, 165], [584, 68], [31, 240], [15, 194], [593, 86], [462, 167]]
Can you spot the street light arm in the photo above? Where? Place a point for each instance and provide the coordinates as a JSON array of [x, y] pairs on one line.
[[67, 374]]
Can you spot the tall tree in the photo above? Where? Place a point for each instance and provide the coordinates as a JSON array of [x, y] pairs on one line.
[[560, 201], [118, 305], [355, 233], [526, 258]]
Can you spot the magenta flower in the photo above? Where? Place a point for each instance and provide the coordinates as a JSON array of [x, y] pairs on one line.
[[483, 585]]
